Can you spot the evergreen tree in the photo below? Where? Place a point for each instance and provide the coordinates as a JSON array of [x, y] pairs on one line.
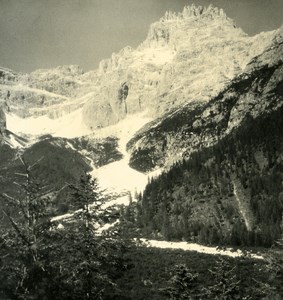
[[88, 200], [182, 284], [25, 268], [92, 261], [226, 285], [41, 261]]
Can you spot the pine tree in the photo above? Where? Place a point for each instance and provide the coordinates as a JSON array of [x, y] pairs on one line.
[[41, 261], [88, 200], [182, 284], [90, 258], [23, 244], [226, 285]]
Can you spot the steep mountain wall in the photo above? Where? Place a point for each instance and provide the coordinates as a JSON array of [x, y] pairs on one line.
[[258, 90], [186, 57]]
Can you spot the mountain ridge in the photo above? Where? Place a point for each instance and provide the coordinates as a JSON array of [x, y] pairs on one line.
[[200, 51]]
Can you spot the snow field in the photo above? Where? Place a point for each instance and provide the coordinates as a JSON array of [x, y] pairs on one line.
[[69, 126]]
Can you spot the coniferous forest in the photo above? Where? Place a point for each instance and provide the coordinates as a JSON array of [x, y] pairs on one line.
[[230, 193]]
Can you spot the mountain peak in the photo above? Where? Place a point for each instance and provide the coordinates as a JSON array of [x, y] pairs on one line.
[[191, 18], [194, 11]]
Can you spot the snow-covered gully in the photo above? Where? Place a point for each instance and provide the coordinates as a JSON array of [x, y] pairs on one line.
[[243, 207], [118, 177]]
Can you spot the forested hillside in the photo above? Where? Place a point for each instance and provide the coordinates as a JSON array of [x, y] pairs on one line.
[[230, 193], [224, 185]]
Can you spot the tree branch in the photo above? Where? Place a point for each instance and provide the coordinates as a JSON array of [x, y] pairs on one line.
[[16, 227]]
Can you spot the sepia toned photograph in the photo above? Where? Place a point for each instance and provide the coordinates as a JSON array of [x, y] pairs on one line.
[[141, 150]]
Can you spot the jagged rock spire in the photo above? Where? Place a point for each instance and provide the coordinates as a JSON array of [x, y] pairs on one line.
[[191, 17], [195, 11]]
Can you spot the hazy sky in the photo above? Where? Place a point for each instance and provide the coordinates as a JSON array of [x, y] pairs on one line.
[[47, 33]]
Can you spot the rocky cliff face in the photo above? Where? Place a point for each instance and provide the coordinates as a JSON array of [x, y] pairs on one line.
[[257, 91], [49, 93], [228, 186], [7, 75], [186, 57]]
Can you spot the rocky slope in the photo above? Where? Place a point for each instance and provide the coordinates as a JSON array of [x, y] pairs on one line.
[[2, 122], [186, 57], [257, 91]]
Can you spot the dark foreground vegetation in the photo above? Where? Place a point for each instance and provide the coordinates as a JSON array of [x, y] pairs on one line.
[[177, 274], [44, 259]]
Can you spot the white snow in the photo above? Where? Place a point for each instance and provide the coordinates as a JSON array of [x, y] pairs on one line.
[[62, 217], [14, 143], [242, 208], [71, 146], [60, 226], [125, 129], [118, 176], [69, 125], [196, 247], [106, 227], [123, 200]]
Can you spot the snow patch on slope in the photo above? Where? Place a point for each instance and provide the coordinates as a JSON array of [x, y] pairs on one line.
[[196, 247], [118, 177], [15, 143], [69, 125]]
